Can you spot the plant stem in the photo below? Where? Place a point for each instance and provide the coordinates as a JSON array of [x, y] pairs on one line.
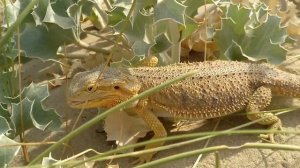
[[218, 148]]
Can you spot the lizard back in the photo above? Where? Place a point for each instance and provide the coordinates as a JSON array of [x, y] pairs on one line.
[[218, 89]]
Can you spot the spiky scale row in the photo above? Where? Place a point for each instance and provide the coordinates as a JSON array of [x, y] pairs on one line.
[[220, 87]]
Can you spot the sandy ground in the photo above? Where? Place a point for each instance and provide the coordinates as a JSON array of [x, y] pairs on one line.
[[95, 137]]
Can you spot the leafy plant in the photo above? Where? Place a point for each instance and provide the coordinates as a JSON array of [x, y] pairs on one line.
[[143, 28], [19, 112], [251, 34]]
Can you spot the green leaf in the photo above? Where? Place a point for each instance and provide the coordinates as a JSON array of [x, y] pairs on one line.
[[13, 11], [122, 63], [234, 23], [137, 30], [259, 13], [48, 161], [234, 52], [54, 28], [138, 7], [9, 152], [133, 62], [61, 6], [54, 12], [270, 30], [265, 41], [123, 3], [170, 28], [22, 121], [140, 48], [274, 53], [8, 52], [51, 16], [193, 5], [4, 125], [162, 44], [39, 12], [189, 28], [169, 9], [42, 118], [34, 114], [239, 37], [226, 35], [115, 16], [164, 59], [45, 119], [4, 113], [46, 41], [8, 86], [239, 20], [36, 92], [96, 14], [141, 33]]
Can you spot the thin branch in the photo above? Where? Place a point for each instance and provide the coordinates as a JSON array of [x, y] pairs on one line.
[[27, 144], [90, 47], [109, 40]]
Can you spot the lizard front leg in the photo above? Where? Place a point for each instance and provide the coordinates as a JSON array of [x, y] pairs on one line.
[[258, 101], [153, 122]]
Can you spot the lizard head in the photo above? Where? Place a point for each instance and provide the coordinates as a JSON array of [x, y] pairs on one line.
[[88, 90]]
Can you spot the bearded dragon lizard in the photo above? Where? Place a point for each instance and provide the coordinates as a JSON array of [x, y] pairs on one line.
[[218, 89]]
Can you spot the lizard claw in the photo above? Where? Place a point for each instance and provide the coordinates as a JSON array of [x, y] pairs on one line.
[[270, 137], [143, 159]]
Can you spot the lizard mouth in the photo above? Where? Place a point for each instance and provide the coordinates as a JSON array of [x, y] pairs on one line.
[[93, 103], [74, 103], [105, 102]]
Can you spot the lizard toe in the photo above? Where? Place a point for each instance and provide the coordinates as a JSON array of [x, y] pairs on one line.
[[144, 158], [270, 136]]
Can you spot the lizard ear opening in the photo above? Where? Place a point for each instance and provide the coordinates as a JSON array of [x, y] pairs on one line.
[[91, 88]]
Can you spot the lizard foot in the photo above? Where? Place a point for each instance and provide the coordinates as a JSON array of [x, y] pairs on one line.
[[270, 136], [143, 158]]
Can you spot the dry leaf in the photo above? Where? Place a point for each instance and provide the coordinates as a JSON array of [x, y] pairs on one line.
[[113, 166], [88, 164], [294, 28], [57, 81], [125, 129], [207, 16]]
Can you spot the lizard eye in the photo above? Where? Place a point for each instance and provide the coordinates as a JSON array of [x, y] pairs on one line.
[[116, 87], [91, 88]]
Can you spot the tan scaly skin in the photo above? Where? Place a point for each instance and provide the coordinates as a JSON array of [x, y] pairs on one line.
[[218, 89]]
